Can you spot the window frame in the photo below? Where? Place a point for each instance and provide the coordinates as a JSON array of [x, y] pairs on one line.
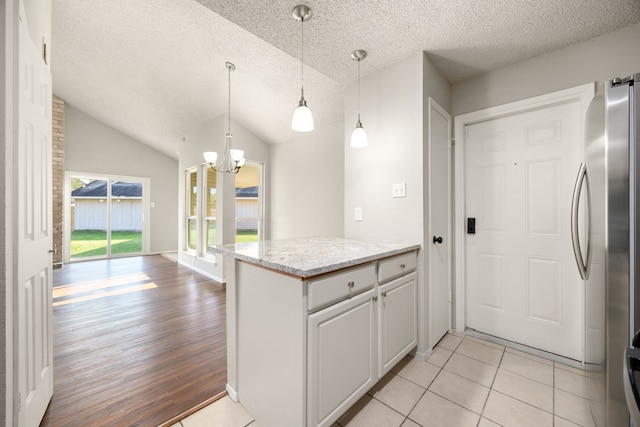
[[187, 210], [206, 170], [261, 203]]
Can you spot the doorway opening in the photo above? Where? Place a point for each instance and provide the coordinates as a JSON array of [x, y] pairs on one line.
[[105, 216]]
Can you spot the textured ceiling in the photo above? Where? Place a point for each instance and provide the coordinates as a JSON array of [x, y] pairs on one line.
[[154, 69]]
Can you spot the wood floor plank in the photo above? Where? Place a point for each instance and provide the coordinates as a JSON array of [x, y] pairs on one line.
[[138, 341]]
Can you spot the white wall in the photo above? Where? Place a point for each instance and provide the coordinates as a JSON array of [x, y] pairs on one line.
[[307, 185], [394, 115], [39, 20], [210, 136], [615, 54], [94, 147]]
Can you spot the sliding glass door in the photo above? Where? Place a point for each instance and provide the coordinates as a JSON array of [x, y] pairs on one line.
[[105, 216]]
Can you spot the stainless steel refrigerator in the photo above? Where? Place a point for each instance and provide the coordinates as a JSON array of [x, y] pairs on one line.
[[607, 255]]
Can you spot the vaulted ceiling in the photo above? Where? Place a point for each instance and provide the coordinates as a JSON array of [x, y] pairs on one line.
[[154, 69]]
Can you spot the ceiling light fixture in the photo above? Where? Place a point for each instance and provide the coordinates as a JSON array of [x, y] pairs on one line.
[[232, 160], [359, 136], [302, 120]]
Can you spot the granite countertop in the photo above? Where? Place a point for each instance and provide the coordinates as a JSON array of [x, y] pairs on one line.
[[311, 256]]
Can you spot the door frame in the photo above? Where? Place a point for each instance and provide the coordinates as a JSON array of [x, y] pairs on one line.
[[146, 213], [582, 94], [9, 143]]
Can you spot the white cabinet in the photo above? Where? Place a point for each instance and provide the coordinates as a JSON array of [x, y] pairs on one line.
[[398, 324], [306, 349], [341, 357], [336, 287], [354, 343]]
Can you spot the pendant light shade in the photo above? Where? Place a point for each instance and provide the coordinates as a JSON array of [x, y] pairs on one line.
[[302, 120], [232, 160], [359, 136]]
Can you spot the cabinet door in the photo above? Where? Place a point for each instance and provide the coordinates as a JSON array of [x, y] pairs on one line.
[[398, 321], [341, 357]]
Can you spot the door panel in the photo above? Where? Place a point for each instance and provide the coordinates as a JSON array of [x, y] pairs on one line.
[[34, 330], [398, 321], [439, 223], [341, 357], [522, 283]]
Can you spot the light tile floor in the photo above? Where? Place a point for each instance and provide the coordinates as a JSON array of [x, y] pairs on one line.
[[466, 382]]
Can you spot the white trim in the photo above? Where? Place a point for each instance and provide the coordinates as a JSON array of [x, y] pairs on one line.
[[10, 110], [233, 395], [187, 208], [199, 270], [582, 94], [423, 356], [433, 105], [202, 236]]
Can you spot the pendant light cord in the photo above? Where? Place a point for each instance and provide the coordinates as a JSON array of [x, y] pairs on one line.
[[358, 90], [302, 57], [229, 102]]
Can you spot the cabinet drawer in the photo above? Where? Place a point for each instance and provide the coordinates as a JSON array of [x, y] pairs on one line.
[[396, 266], [333, 288]]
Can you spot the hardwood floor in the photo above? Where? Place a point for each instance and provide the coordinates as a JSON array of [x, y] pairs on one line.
[[137, 342]]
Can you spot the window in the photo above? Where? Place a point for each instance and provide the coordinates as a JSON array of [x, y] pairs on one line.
[[191, 209], [249, 205], [210, 202], [105, 216]]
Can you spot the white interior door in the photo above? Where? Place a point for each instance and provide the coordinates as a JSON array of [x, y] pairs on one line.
[[521, 279], [439, 222], [34, 332]]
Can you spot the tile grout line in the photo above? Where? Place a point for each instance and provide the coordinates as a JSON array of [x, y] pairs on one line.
[[553, 395], [491, 389]]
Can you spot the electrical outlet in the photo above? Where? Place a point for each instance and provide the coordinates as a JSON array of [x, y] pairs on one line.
[[358, 214], [399, 190]]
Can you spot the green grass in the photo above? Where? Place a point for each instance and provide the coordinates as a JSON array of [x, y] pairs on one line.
[[86, 243], [245, 236]]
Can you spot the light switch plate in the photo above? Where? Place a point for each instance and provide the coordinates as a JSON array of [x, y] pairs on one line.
[[358, 214], [399, 190]]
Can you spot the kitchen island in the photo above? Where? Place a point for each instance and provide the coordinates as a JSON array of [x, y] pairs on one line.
[[314, 323]]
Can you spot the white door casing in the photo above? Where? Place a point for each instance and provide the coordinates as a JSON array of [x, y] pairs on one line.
[[33, 334], [439, 260], [515, 170]]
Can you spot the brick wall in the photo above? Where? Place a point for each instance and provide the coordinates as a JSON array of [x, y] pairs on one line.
[[57, 159]]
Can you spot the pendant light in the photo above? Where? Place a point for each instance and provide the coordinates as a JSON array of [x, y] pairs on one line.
[[232, 160], [302, 120], [359, 136]]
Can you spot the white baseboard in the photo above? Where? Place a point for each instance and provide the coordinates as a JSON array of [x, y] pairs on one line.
[[424, 356], [204, 273], [232, 393]]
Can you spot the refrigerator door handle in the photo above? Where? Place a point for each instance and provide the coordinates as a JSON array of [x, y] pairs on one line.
[[582, 180]]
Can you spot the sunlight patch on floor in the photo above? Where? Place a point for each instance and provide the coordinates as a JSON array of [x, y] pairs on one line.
[[85, 291]]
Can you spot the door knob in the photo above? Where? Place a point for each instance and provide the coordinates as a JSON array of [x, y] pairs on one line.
[[437, 239]]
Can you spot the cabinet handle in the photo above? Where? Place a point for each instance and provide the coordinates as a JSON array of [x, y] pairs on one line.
[[402, 266], [375, 298], [384, 295], [350, 284]]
